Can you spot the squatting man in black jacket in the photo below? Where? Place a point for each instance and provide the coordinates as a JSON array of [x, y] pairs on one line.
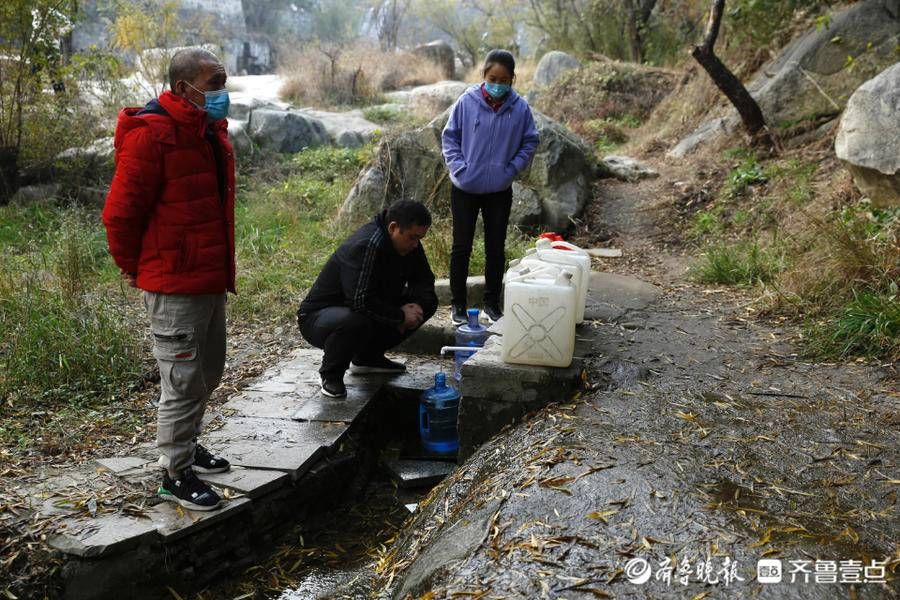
[[374, 292]]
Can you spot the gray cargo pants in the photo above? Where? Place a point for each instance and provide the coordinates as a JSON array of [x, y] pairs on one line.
[[189, 346]]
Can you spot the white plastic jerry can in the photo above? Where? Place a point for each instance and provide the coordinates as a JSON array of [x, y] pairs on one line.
[[539, 317], [575, 259]]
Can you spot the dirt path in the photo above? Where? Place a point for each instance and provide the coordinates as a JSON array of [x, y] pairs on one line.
[[705, 440]]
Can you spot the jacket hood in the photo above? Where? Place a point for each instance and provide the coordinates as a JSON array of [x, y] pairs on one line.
[[161, 114], [508, 102]]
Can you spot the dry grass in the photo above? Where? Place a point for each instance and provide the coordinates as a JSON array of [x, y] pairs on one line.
[[352, 75]]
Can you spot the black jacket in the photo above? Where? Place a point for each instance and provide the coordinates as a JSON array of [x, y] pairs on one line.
[[367, 275]]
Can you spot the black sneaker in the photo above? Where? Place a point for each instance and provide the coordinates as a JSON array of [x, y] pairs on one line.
[[493, 312], [205, 462], [189, 492], [458, 314], [333, 388], [380, 364]]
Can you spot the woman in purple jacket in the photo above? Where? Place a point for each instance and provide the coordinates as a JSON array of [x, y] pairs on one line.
[[489, 139]]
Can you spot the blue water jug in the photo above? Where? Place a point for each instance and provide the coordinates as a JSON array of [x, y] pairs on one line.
[[472, 334], [438, 409]]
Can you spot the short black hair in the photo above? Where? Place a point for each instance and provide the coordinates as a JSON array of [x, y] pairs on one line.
[[501, 57], [187, 63], [407, 213]]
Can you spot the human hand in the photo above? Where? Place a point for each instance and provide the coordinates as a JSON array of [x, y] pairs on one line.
[[412, 316], [130, 279]]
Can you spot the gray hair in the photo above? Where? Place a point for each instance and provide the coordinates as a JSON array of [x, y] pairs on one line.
[[187, 63]]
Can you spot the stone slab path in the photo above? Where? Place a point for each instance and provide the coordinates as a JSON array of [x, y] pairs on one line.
[[273, 432], [277, 432]]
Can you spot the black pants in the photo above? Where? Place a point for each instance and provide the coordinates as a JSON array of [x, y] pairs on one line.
[[494, 209], [345, 335]]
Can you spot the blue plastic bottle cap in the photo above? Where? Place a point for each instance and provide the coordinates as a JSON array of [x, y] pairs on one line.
[[440, 380], [474, 312]]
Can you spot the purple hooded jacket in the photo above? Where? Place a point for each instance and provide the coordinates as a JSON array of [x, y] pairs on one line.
[[484, 150]]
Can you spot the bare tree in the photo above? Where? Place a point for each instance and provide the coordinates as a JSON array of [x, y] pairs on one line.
[[727, 82], [389, 15], [637, 20]]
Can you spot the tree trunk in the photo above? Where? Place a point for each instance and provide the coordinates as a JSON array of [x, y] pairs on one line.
[[638, 18], [727, 82], [9, 173]]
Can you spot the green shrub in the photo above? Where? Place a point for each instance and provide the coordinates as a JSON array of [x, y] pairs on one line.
[[383, 113], [743, 176], [63, 338], [742, 263], [868, 325], [706, 222]]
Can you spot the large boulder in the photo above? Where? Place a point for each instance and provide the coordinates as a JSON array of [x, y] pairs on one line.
[[434, 98], [815, 75], [440, 53], [552, 65], [550, 193], [286, 131], [868, 138], [238, 136], [348, 129]]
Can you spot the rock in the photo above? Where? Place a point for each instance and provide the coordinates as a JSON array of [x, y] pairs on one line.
[[286, 131], [432, 99], [811, 77], [98, 151], [552, 65], [705, 132], [401, 97], [816, 73], [441, 53], [238, 136], [35, 193], [367, 196], [455, 544], [627, 168], [348, 129], [559, 176], [611, 296], [243, 104], [560, 173], [868, 137], [526, 207], [91, 196]]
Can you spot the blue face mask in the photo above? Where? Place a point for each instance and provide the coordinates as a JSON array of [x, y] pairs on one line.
[[497, 90], [216, 103]]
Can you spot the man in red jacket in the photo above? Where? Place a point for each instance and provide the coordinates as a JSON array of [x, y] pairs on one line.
[[169, 220]]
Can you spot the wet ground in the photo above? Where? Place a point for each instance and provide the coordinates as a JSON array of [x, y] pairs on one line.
[[713, 446], [703, 445]]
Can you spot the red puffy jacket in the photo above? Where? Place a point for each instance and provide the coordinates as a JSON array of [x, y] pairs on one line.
[[165, 217]]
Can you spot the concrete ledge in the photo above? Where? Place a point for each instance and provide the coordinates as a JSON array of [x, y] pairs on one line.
[[439, 331], [474, 294], [495, 394]]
